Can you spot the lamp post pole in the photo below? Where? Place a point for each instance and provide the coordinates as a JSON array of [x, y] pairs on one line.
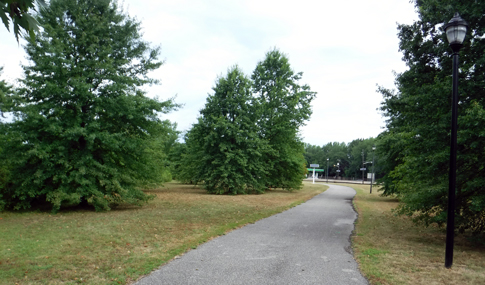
[[327, 170], [373, 162], [338, 169], [363, 166], [455, 32]]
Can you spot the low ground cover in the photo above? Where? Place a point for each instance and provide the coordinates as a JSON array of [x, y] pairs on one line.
[[119, 246], [390, 249]]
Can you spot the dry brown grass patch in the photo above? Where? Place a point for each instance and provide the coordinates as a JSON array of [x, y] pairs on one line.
[[392, 250], [119, 246]]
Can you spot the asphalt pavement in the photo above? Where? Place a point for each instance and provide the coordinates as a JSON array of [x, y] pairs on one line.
[[307, 244]]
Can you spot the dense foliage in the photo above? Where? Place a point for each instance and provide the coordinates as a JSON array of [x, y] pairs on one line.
[[18, 12], [246, 139], [348, 158], [83, 130], [228, 152], [5, 89], [417, 139], [284, 106]]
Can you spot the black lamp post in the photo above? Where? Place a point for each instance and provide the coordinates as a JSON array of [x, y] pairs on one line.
[[363, 166], [373, 162], [455, 32], [338, 169], [327, 169]]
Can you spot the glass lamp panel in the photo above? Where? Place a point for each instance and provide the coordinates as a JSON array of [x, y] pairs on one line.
[[456, 34]]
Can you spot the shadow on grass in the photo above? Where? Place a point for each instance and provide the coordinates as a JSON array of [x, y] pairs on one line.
[[178, 187], [182, 188], [45, 207], [378, 199], [42, 206], [437, 238]]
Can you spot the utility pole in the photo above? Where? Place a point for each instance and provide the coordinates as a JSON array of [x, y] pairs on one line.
[[373, 162], [363, 166], [338, 168]]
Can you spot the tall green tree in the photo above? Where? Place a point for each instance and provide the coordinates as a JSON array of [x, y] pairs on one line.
[[226, 149], [84, 131], [284, 106], [419, 117], [361, 155]]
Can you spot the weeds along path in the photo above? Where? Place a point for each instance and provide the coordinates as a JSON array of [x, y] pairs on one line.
[[308, 244]]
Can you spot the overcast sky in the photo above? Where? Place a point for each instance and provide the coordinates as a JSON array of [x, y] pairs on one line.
[[343, 48]]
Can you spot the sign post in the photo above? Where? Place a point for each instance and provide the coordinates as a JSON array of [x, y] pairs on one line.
[[363, 169], [314, 166]]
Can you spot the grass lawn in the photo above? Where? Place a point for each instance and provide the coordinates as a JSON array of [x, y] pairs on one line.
[[392, 250], [119, 246]]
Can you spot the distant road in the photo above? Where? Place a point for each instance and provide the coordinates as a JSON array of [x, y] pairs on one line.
[[337, 181], [307, 244]]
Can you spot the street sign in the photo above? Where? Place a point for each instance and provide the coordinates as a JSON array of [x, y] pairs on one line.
[[338, 170], [362, 169]]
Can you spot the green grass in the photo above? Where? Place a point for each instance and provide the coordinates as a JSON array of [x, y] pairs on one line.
[[119, 246], [391, 249]]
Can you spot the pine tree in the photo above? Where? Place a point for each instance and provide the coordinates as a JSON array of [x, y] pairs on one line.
[[84, 130]]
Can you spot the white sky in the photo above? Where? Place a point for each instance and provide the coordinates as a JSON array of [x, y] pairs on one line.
[[343, 48]]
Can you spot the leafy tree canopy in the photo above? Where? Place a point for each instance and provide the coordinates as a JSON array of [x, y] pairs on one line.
[[84, 132], [229, 151], [4, 90], [284, 106], [246, 139], [348, 156], [417, 138], [19, 13]]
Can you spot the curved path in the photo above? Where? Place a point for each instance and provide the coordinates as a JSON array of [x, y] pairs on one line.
[[308, 244]]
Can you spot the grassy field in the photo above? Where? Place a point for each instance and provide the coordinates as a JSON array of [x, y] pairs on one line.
[[117, 247], [392, 250]]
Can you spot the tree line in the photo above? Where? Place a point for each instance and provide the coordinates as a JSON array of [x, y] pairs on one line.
[[85, 133], [349, 158]]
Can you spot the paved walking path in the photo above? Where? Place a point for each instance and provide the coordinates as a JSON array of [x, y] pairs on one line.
[[308, 244]]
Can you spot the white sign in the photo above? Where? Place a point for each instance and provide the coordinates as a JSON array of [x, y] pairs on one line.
[[363, 169], [314, 165], [371, 176]]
